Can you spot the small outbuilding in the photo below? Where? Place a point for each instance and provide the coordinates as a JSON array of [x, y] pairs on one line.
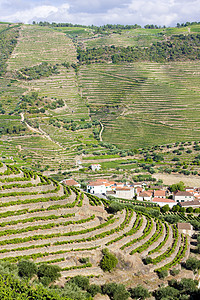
[[185, 228]]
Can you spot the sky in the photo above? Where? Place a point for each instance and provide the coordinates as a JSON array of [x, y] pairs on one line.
[[100, 12]]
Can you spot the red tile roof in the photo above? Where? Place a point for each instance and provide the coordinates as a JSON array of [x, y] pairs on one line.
[[164, 200], [145, 194], [184, 193], [70, 182], [160, 193]]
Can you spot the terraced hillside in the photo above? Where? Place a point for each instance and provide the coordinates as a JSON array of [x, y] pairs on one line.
[[42, 220], [44, 140], [144, 103]]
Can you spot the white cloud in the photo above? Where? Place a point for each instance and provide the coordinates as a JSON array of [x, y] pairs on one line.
[[99, 12]]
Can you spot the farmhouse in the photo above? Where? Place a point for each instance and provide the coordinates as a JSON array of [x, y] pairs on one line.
[[183, 196], [124, 192], [116, 189], [146, 195], [71, 182], [96, 188], [95, 167], [164, 201], [159, 193], [194, 204]]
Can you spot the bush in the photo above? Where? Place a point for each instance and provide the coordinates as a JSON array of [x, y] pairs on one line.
[[80, 281], [27, 268], [114, 207], [192, 264], [139, 292], [109, 261], [94, 289], [162, 274], [174, 272], [116, 291], [48, 273]]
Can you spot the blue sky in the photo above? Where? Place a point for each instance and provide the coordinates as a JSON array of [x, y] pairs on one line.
[[99, 12]]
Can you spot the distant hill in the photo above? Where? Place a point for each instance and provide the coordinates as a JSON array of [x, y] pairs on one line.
[[62, 86]]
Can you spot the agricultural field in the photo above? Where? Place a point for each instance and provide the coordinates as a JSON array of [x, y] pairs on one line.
[[142, 103], [44, 221]]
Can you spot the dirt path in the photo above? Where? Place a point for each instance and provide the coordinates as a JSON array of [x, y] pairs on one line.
[[40, 131], [100, 134]]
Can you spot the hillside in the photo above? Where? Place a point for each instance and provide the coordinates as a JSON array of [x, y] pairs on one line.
[[45, 221], [53, 106]]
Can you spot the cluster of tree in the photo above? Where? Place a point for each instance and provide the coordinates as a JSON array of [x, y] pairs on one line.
[[178, 25], [96, 28], [178, 47], [53, 24], [15, 284], [151, 26], [12, 129], [36, 72], [8, 40], [32, 103]]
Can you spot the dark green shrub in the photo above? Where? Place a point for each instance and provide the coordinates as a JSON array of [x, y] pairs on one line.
[[27, 268], [94, 289], [139, 292], [109, 261], [48, 273], [80, 281], [162, 274]]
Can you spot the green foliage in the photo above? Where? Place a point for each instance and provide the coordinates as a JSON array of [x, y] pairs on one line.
[[172, 219], [165, 208], [176, 48], [8, 40], [27, 268], [174, 272], [36, 72], [48, 273], [162, 274], [109, 261], [80, 281], [114, 207], [192, 263], [12, 289], [177, 187], [116, 291], [94, 289], [139, 292]]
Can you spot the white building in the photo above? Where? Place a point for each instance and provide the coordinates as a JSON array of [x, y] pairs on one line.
[[96, 188], [95, 167], [146, 195], [183, 196], [164, 201]]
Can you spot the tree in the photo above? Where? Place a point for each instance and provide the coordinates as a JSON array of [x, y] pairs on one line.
[[192, 264], [139, 292], [172, 218], [165, 208], [109, 261], [115, 207], [162, 274], [176, 208], [177, 187], [81, 281], [94, 289], [166, 293], [27, 268], [116, 291], [48, 273]]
